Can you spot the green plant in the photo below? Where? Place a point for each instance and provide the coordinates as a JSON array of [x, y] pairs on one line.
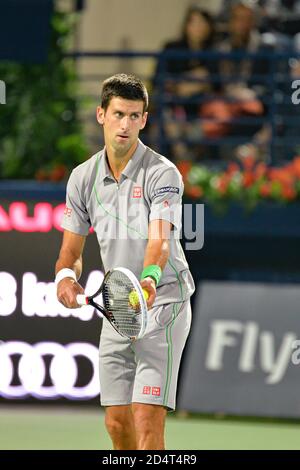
[[40, 133]]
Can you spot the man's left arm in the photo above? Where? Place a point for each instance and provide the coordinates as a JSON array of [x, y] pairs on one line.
[[165, 192], [156, 256]]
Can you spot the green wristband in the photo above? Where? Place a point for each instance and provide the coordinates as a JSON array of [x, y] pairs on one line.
[[153, 271]]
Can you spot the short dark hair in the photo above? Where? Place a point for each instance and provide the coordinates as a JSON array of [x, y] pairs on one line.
[[124, 86]]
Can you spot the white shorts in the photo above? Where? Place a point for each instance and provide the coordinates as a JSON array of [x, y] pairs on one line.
[[146, 370]]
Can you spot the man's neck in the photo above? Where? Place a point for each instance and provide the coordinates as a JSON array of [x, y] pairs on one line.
[[118, 161]]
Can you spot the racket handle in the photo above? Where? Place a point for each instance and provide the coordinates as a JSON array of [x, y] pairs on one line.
[[81, 299]]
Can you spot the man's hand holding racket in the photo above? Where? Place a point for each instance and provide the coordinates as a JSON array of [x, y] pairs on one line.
[[67, 291], [125, 300]]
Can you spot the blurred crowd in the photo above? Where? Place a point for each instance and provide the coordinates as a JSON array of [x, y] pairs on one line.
[[233, 99]]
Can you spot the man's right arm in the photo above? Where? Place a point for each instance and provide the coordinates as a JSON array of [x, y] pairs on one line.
[[70, 257]]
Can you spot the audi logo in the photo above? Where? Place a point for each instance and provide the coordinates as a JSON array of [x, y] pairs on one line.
[[32, 369]]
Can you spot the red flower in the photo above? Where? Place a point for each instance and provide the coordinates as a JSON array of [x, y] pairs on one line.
[[288, 192], [232, 168], [58, 173], [248, 179], [194, 191], [265, 190], [249, 162], [260, 170], [222, 183], [283, 175], [184, 167], [296, 167]]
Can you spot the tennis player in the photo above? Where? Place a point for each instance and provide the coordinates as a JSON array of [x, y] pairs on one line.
[[131, 196]]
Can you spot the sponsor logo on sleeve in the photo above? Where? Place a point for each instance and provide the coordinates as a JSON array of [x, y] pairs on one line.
[[165, 190]]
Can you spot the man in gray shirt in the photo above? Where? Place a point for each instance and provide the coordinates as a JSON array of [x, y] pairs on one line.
[[131, 196]]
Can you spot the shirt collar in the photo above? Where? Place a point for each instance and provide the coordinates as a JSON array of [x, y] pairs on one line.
[[104, 171], [129, 170]]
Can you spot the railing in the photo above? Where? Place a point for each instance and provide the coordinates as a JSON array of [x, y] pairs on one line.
[[276, 88]]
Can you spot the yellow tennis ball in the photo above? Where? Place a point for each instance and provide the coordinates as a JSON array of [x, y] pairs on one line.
[[134, 298], [146, 294]]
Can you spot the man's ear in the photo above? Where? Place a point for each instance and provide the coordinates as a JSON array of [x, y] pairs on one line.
[[100, 115], [144, 120]]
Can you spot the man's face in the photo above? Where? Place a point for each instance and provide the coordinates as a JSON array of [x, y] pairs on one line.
[[198, 28], [241, 21], [122, 122]]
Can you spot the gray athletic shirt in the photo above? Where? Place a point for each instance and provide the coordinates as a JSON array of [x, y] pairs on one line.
[[150, 188]]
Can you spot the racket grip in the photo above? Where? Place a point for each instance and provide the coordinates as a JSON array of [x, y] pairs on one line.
[[81, 299]]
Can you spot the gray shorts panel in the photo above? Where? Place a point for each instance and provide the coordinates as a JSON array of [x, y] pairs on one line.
[[145, 371]]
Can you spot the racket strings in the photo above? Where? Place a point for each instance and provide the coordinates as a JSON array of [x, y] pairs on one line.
[[127, 318]]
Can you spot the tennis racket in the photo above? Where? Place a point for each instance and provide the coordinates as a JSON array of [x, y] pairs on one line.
[[124, 302]]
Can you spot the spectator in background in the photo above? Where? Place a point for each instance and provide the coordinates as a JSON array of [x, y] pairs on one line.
[[281, 20], [288, 116], [273, 10], [242, 81], [188, 80], [243, 36]]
